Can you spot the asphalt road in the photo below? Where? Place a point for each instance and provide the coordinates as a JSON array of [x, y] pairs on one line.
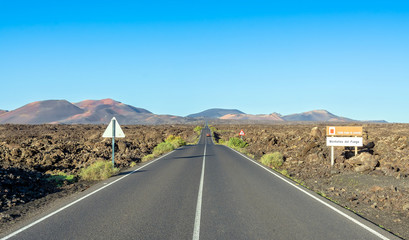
[[204, 191]]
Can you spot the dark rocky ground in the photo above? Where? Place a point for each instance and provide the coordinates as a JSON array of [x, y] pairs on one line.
[[31, 154], [374, 184]]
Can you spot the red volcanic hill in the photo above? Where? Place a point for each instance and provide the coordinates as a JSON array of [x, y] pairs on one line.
[[102, 111], [41, 112], [85, 112]]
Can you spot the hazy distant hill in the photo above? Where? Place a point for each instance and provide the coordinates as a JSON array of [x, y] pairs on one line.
[[316, 116], [251, 117], [215, 113], [2, 111], [41, 112]]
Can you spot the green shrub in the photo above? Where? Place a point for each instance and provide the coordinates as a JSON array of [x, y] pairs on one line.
[[61, 177], [170, 143], [213, 129], [274, 160], [198, 130], [235, 142], [99, 170], [148, 157], [176, 141], [162, 148], [133, 164], [285, 172]]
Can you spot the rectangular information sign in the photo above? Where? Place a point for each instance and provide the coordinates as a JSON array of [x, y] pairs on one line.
[[345, 141], [344, 131]]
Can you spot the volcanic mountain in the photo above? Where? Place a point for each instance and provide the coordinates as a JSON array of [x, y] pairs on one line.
[[85, 112], [41, 112], [215, 113], [102, 111], [316, 116], [251, 117]]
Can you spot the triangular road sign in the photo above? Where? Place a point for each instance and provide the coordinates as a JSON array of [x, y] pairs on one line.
[[109, 131], [242, 133]]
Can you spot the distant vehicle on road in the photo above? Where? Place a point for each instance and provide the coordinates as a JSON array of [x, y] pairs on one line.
[[208, 135]]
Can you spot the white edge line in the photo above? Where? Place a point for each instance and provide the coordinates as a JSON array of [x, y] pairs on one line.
[[78, 200], [315, 197], [196, 229]]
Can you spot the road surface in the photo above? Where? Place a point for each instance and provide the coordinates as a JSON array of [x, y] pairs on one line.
[[204, 191]]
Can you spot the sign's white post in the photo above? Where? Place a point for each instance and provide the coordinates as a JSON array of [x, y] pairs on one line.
[[332, 156], [356, 149], [113, 142]]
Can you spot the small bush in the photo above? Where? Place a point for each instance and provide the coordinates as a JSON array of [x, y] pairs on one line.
[[61, 177], [162, 148], [133, 164], [213, 129], [148, 157], [99, 170], [198, 130], [285, 172], [176, 141], [235, 142], [274, 160]]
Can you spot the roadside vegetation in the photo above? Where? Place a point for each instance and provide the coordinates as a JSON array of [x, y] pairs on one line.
[[99, 170], [272, 160], [170, 144], [198, 131], [237, 144], [62, 178]]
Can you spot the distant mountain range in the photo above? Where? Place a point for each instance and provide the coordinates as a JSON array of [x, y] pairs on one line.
[[316, 116], [85, 112], [215, 113], [102, 111]]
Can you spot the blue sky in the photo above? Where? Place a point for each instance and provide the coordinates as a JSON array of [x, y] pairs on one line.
[[348, 57]]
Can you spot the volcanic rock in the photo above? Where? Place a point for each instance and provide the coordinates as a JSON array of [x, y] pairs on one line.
[[363, 162]]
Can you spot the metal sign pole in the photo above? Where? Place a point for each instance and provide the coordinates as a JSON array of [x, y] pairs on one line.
[[113, 142]]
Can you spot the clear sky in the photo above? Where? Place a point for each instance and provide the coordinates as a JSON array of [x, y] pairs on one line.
[[180, 57]]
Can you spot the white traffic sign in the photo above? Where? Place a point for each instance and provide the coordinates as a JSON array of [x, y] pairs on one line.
[[345, 141], [109, 131], [241, 133]]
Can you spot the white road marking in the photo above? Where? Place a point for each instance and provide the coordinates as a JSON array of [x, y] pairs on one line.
[[196, 229], [316, 198], [78, 200]]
